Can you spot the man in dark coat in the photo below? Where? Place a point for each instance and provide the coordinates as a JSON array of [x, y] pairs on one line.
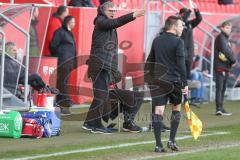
[[104, 50], [187, 35], [223, 61], [63, 46]]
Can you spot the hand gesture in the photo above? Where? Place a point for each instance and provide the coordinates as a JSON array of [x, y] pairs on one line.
[[185, 91], [138, 13]]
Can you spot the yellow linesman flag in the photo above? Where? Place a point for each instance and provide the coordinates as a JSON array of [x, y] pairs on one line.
[[195, 124]]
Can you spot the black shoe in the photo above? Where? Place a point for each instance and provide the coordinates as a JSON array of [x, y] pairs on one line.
[[173, 146], [223, 112], [65, 111], [88, 127], [111, 126], [160, 149], [131, 127], [101, 130]]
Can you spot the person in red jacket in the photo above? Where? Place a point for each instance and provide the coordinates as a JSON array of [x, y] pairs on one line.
[[55, 23]]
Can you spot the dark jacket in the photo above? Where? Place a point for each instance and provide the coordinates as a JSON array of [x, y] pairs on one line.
[[187, 34], [223, 45], [171, 56], [81, 3], [63, 45], [105, 39], [11, 72]]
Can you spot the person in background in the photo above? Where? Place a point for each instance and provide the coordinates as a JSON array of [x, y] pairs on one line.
[[12, 50], [223, 60], [55, 23], [197, 94], [187, 35], [63, 47], [34, 49]]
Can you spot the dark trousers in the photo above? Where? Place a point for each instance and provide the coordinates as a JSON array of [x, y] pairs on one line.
[[221, 81], [100, 99], [63, 73], [131, 112]]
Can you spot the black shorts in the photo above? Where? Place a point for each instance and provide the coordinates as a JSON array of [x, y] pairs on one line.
[[174, 97]]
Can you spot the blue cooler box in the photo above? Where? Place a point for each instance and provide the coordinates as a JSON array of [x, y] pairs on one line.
[[51, 122]]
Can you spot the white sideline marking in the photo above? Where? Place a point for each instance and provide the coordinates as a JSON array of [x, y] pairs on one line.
[[188, 152], [106, 147]]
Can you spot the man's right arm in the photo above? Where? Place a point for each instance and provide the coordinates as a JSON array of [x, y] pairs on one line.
[[181, 62], [106, 23], [149, 66], [198, 18], [56, 40], [226, 50]]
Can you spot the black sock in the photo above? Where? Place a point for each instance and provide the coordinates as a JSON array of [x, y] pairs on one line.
[[175, 119], [157, 126]]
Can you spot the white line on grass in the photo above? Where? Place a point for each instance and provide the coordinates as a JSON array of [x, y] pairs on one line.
[[107, 147], [188, 152]]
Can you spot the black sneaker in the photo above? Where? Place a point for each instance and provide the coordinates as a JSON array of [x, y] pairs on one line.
[[101, 130], [131, 127], [65, 111], [223, 112], [160, 149], [172, 145], [87, 127]]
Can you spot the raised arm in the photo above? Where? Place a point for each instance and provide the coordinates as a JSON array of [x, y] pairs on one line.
[[105, 23], [198, 18]]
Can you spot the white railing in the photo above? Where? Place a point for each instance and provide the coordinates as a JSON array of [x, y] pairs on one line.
[[2, 69]]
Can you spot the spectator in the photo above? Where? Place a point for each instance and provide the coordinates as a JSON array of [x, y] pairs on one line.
[[197, 95], [55, 23], [11, 49], [81, 3], [104, 50], [223, 61], [12, 68], [187, 34], [63, 46], [14, 72]]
